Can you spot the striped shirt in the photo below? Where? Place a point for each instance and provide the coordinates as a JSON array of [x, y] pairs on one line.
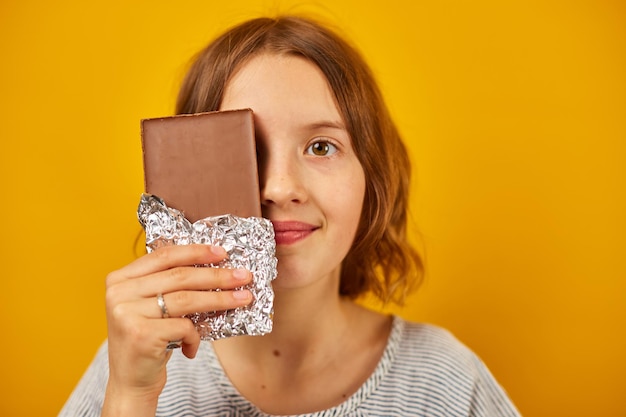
[[424, 371]]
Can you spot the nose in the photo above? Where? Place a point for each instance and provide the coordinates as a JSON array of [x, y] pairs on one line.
[[281, 180]]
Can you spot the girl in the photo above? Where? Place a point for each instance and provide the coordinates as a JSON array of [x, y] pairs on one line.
[[334, 182]]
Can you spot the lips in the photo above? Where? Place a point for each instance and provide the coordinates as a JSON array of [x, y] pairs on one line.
[[290, 232]]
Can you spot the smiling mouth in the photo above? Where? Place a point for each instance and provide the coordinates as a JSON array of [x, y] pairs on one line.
[[290, 232]]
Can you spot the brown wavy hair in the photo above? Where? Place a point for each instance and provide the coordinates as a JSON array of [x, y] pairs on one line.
[[381, 260]]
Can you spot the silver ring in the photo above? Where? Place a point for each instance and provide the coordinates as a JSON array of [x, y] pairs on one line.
[[174, 344], [161, 302]]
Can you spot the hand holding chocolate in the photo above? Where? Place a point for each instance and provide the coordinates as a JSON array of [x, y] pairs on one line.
[[201, 183]]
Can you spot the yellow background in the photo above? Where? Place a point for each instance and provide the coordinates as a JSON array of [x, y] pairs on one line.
[[514, 112]]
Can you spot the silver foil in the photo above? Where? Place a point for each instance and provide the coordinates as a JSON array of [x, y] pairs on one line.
[[249, 243]]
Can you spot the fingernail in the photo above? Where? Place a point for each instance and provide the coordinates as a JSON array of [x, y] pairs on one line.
[[218, 250], [240, 274], [241, 294]]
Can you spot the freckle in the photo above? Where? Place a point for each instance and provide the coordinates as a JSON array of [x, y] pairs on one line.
[[276, 352], [262, 386], [344, 395]]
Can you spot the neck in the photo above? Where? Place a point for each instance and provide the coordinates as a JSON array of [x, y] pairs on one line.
[[307, 322], [301, 314], [321, 350]]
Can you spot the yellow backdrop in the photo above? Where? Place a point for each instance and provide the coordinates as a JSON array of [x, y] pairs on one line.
[[515, 116]]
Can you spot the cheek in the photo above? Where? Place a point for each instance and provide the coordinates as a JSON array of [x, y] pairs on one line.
[[348, 202]]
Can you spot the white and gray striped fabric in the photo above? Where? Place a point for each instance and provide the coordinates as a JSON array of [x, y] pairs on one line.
[[424, 371]]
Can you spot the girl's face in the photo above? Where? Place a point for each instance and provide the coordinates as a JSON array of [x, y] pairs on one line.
[[312, 184]]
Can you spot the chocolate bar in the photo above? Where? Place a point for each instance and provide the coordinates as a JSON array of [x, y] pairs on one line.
[[202, 187], [203, 164]]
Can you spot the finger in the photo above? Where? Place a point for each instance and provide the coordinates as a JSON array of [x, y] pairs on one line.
[[181, 303], [154, 336], [168, 257], [191, 349], [177, 279], [182, 329], [189, 278]]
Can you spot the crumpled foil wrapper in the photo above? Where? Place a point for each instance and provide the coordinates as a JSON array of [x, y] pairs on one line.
[[249, 243]]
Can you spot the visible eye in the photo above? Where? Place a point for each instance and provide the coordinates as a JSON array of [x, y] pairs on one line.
[[321, 148]]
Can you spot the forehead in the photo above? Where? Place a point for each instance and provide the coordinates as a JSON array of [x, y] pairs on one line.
[[281, 86]]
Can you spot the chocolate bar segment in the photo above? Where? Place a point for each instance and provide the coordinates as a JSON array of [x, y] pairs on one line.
[[203, 164]]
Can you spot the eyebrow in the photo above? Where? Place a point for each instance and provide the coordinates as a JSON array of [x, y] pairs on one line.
[[326, 124]]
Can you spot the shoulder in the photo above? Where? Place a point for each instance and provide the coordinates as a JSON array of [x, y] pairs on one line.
[[88, 396], [422, 338], [426, 349], [432, 364]]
